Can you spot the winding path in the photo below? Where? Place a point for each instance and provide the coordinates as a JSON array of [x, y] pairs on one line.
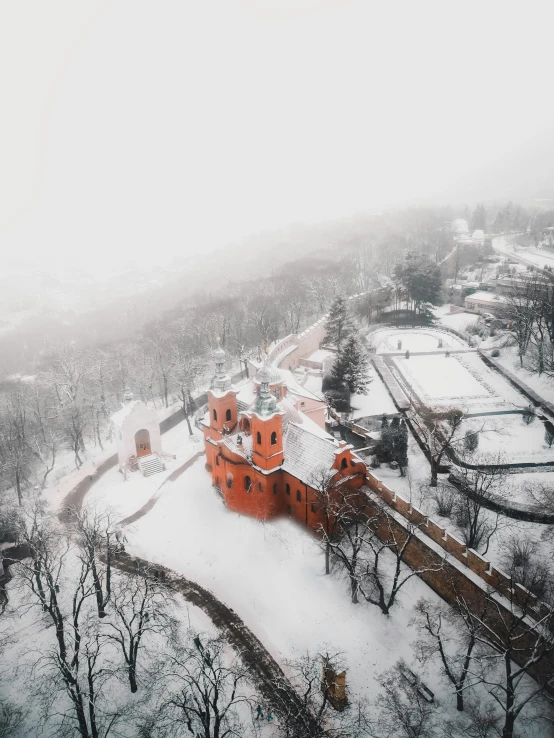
[[264, 669], [266, 672]]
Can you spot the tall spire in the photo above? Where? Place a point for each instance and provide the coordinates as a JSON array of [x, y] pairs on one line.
[[220, 381], [265, 402]]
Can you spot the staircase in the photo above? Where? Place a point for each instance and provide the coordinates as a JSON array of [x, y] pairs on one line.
[[150, 464]]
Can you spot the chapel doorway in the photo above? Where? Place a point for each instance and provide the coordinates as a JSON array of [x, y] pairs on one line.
[[142, 442]]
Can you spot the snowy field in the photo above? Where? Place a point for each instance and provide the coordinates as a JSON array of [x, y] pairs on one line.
[[543, 385], [127, 497], [460, 379], [376, 402], [509, 437], [271, 574], [414, 340]]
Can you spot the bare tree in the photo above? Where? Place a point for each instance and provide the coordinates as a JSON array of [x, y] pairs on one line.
[[384, 551], [477, 488], [515, 643], [140, 607], [439, 429], [348, 539], [206, 690], [315, 701], [332, 500], [186, 366], [95, 534], [403, 708], [442, 634], [74, 665]]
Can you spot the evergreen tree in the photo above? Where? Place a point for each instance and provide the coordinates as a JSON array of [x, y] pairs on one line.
[[401, 446], [420, 279], [479, 218], [385, 451], [471, 441], [350, 369], [339, 323]]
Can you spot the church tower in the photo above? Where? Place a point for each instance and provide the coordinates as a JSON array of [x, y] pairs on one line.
[[222, 407], [266, 425]]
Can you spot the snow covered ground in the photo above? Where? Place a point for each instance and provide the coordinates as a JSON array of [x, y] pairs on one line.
[[271, 574], [460, 379], [123, 498], [377, 401], [418, 339], [509, 437], [543, 385]]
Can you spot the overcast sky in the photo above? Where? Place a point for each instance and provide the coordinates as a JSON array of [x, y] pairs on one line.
[[140, 129]]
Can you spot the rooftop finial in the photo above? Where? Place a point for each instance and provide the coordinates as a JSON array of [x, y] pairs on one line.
[[127, 395]]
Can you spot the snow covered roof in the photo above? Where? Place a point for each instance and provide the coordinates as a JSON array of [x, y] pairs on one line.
[[295, 388], [485, 297], [478, 234], [307, 453], [127, 409]]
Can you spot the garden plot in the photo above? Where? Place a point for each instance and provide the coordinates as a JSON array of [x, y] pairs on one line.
[[509, 437], [415, 340], [462, 380]]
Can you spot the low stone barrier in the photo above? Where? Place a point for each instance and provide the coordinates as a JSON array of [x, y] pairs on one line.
[[394, 389], [452, 545]]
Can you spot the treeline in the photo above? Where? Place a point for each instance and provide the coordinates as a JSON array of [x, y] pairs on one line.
[[65, 405]]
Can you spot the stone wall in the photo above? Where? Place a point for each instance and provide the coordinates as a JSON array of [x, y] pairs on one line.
[[453, 571], [471, 559]]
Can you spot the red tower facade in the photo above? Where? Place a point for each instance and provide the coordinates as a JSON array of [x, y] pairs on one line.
[[261, 468]]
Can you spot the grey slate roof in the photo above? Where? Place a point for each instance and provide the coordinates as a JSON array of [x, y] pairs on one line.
[[306, 453]]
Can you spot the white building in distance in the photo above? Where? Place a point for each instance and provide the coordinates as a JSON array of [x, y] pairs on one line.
[[138, 430]]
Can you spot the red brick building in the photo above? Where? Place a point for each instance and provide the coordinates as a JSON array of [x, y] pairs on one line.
[[264, 453]]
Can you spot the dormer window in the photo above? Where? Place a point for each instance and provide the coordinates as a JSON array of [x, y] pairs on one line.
[[343, 464], [228, 414]]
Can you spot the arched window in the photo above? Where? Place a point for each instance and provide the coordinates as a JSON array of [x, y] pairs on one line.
[[287, 489], [298, 495], [273, 438], [247, 483], [215, 415], [313, 507], [260, 487], [217, 460], [228, 414], [277, 393], [229, 480], [259, 437], [275, 488], [343, 464]]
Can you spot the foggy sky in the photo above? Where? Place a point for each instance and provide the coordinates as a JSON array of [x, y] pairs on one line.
[[136, 130]]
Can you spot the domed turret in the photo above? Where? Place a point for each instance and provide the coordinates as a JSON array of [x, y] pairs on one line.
[[221, 381], [265, 403], [269, 374]]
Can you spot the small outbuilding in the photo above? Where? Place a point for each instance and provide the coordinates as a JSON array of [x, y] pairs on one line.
[[137, 430]]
